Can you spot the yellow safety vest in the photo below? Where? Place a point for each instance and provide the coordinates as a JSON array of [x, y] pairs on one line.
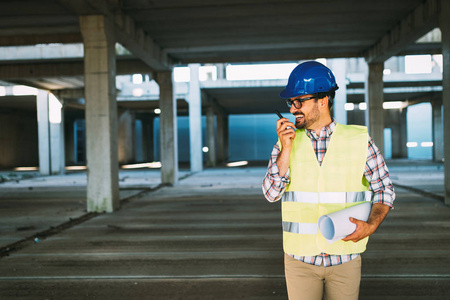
[[316, 190]]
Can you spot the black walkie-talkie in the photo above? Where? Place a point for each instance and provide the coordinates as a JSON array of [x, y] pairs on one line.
[[281, 117], [278, 114]]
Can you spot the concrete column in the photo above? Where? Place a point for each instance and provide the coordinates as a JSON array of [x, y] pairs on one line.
[[226, 137], [168, 128], [374, 99], [339, 68], [222, 138], [438, 132], [221, 74], [211, 137], [399, 133], [57, 151], [69, 143], [147, 137], [138, 141], [195, 120], [101, 114], [126, 137], [444, 24], [404, 133], [43, 132]]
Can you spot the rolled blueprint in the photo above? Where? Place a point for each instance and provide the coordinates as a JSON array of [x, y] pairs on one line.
[[336, 226]]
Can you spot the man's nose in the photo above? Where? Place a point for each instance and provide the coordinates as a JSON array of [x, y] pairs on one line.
[[293, 109]]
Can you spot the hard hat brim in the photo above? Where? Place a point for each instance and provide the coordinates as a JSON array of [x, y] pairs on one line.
[[286, 95]]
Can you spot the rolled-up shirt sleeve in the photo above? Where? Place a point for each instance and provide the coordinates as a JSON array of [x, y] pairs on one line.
[[377, 174], [274, 185]]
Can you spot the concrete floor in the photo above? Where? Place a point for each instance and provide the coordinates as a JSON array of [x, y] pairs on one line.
[[213, 236]]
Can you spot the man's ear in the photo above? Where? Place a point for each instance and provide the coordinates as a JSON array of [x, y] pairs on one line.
[[324, 102]]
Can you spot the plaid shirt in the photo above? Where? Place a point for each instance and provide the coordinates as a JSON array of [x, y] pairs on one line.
[[376, 173]]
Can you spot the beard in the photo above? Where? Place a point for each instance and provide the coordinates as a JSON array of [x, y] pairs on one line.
[[307, 120]]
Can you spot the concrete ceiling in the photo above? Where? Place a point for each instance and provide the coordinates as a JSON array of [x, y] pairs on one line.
[[227, 30], [253, 30], [162, 33]]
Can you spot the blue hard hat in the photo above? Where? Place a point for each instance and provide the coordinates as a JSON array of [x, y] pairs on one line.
[[309, 78]]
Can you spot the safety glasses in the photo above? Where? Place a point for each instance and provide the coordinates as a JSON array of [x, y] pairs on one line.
[[298, 102]]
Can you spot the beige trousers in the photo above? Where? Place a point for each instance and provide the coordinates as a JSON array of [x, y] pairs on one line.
[[309, 282]]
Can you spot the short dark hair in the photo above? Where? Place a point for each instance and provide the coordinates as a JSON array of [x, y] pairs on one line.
[[331, 94]]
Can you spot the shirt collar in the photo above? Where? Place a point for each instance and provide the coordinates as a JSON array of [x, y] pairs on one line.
[[324, 132]]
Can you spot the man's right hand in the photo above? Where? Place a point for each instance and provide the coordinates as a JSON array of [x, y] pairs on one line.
[[286, 136], [286, 133]]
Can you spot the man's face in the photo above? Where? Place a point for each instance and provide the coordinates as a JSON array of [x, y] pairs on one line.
[[307, 114]]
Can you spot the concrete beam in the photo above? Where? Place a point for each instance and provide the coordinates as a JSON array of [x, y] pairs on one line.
[[38, 29], [27, 39], [421, 48], [444, 24], [253, 47], [70, 95], [52, 52], [25, 70], [422, 20], [101, 114], [74, 67], [269, 56], [140, 43]]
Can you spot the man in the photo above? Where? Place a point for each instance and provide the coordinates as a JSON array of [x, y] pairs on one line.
[[321, 167]]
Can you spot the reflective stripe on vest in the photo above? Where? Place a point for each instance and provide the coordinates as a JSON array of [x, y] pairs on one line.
[[303, 207], [318, 190]]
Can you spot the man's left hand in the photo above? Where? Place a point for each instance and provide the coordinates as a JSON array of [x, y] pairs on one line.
[[363, 229]]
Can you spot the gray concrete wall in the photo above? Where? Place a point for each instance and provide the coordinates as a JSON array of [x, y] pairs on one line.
[[18, 138]]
